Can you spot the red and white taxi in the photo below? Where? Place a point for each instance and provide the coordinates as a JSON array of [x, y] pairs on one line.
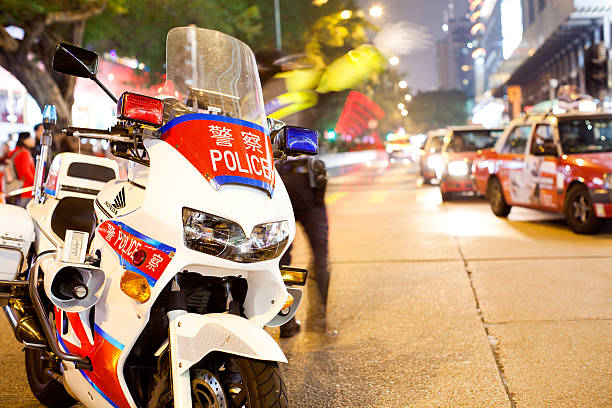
[[554, 162], [461, 145], [431, 160]]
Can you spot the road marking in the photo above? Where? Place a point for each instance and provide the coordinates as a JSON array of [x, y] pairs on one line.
[[377, 197], [335, 196]]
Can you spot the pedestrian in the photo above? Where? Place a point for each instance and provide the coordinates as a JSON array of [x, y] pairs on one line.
[[24, 166], [305, 178], [38, 132], [4, 152]]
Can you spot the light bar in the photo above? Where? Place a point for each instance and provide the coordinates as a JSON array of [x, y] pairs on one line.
[[140, 108]]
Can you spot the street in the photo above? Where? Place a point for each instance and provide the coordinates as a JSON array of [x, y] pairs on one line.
[[439, 305], [445, 305]]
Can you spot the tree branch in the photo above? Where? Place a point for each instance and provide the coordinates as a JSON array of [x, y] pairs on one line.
[[76, 15], [8, 43], [30, 38]]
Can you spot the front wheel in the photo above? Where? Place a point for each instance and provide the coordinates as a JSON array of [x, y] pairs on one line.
[[579, 211], [495, 196], [227, 381], [48, 391]]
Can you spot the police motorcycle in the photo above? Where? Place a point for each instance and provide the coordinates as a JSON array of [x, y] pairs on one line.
[[153, 291]]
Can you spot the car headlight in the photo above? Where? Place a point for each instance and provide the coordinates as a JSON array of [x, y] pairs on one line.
[[225, 239], [457, 168], [434, 162], [607, 181]]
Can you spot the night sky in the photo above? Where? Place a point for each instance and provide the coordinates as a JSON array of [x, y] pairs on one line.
[[420, 66]]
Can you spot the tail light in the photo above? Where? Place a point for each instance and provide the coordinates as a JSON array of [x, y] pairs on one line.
[[140, 108]]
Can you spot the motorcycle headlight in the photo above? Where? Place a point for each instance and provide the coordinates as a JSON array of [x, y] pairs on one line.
[[224, 238], [458, 168], [269, 240]]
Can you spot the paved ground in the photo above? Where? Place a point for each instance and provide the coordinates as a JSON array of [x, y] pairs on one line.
[[440, 305], [445, 305]]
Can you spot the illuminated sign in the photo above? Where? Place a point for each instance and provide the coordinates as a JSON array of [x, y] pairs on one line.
[[512, 26]]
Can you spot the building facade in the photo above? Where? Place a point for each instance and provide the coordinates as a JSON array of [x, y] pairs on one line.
[[455, 64], [563, 42]]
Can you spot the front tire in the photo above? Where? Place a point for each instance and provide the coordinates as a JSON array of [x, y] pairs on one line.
[[228, 381], [446, 196], [579, 211], [48, 391], [495, 197]]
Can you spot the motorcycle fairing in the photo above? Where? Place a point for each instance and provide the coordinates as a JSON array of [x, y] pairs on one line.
[[125, 241], [104, 354], [224, 150]]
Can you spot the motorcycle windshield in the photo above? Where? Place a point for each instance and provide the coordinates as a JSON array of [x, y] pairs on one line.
[[217, 120]]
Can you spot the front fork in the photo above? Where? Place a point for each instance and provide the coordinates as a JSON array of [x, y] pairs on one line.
[[181, 383]]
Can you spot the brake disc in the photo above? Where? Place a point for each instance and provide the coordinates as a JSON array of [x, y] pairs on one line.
[[207, 390]]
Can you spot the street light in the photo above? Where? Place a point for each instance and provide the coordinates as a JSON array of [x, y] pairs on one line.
[[346, 14], [400, 106], [376, 11], [408, 97], [404, 112], [394, 60], [403, 84]]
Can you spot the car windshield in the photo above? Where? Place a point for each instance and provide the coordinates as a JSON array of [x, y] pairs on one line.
[[472, 140], [211, 72], [590, 135], [436, 144]]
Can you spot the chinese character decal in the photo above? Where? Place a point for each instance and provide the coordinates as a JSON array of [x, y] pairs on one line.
[[222, 135]]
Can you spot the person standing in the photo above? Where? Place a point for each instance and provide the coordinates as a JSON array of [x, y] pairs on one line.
[[38, 132], [24, 165], [305, 178]]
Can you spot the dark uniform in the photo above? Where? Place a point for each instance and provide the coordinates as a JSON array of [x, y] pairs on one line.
[[305, 178]]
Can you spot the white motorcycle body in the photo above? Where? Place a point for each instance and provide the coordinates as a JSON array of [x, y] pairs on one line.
[[119, 320]]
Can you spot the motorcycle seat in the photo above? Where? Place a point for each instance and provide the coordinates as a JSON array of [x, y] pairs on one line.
[[74, 213]]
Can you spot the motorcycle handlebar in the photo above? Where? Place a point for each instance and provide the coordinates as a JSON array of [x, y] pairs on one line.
[[70, 131], [97, 134]]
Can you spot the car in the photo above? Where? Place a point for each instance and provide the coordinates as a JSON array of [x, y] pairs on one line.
[[399, 150], [461, 145], [554, 162], [431, 160]]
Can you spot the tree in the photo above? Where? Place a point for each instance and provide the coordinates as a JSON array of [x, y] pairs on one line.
[[137, 28], [133, 27], [296, 19], [437, 109], [44, 24]]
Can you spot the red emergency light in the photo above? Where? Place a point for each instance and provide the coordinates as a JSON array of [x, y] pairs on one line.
[[140, 108]]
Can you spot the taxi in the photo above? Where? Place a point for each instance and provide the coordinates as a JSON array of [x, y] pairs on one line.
[[431, 159], [554, 162], [461, 146]]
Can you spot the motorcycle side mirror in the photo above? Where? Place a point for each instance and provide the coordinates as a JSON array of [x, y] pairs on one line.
[[295, 141], [72, 60]]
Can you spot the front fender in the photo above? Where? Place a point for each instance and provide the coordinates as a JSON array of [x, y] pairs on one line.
[[193, 336]]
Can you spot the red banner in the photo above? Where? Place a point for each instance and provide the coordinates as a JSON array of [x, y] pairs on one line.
[[126, 241]]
